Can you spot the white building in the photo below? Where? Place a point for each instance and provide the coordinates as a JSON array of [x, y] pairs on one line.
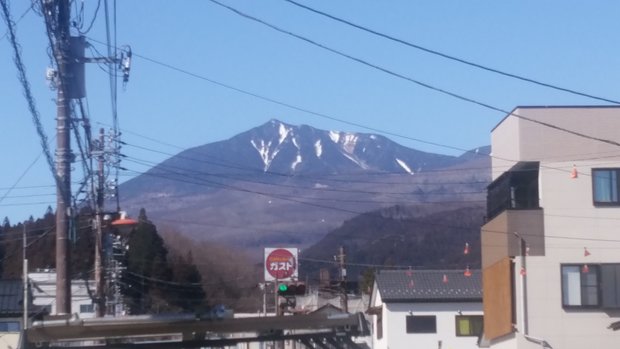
[[426, 309], [43, 286], [551, 267]]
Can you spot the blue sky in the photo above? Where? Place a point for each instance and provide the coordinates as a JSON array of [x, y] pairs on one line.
[[573, 44]]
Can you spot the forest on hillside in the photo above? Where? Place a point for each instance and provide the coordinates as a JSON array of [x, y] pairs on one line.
[[164, 271]]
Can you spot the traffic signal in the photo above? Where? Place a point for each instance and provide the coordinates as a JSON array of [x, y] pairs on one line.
[[291, 289]]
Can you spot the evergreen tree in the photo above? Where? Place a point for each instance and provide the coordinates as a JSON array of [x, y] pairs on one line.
[[148, 272]]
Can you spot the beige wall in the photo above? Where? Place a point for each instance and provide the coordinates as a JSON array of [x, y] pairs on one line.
[[571, 221]]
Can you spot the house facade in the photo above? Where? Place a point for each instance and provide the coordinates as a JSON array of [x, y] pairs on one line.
[[43, 286], [426, 309], [551, 267]]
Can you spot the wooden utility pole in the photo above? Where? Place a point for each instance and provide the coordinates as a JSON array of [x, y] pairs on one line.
[[63, 157], [100, 238]]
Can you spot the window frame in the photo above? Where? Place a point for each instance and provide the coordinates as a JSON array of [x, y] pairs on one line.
[[479, 318], [410, 326], [617, 194], [594, 268], [87, 308]]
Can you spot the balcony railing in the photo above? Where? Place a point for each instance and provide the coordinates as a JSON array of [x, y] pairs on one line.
[[516, 188]]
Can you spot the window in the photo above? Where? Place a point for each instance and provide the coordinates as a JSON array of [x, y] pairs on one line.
[[9, 326], [580, 288], [87, 308], [379, 326], [421, 324], [605, 186], [596, 287], [468, 325]]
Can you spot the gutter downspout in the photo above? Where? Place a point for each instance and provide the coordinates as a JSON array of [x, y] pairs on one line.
[[523, 306]]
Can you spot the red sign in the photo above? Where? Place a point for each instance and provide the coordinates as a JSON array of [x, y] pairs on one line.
[[281, 264]]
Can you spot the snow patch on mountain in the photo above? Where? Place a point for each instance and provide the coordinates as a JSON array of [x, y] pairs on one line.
[[296, 162], [348, 144], [264, 150], [404, 166], [283, 131], [295, 143], [318, 148], [356, 161], [335, 136]]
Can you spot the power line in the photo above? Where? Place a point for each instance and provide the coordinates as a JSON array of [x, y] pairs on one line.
[[239, 189], [313, 188], [287, 105], [233, 165], [450, 57], [177, 171], [329, 117], [19, 19], [409, 79], [36, 118]]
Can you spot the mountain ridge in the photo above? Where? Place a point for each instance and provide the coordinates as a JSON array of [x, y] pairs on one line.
[[284, 184]]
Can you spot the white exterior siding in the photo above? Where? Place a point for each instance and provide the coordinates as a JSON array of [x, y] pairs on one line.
[[44, 293], [445, 313]]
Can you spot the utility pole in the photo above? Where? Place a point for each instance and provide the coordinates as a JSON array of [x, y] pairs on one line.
[[63, 158], [344, 300], [99, 239]]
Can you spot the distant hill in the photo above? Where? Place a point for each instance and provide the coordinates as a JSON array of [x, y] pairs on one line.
[[416, 236], [279, 184]]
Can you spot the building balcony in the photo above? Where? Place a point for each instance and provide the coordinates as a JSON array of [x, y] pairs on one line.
[[515, 189], [503, 235]]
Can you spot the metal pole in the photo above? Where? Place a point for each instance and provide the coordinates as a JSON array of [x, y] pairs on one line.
[[265, 299], [63, 159], [277, 298], [25, 266], [343, 280]]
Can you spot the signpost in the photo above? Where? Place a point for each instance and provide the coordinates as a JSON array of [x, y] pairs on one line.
[[281, 264]]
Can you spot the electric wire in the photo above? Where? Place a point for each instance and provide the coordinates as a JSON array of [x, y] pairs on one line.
[[236, 166], [244, 190], [92, 21], [343, 121], [451, 57], [6, 33], [409, 79], [185, 171], [36, 118], [23, 174]]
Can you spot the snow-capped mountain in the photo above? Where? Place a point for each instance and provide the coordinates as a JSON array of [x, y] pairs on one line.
[[282, 183], [290, 149]]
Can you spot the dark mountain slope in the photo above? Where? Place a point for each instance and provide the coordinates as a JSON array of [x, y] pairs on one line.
[[403, 236]]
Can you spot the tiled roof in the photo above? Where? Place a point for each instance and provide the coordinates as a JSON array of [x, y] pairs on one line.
[[429, 285], [11, 296]]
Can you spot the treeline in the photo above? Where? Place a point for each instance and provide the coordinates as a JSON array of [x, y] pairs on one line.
[[159, 275]]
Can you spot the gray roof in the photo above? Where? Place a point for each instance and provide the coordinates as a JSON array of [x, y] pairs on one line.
[[429, 285], [11, 297]]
